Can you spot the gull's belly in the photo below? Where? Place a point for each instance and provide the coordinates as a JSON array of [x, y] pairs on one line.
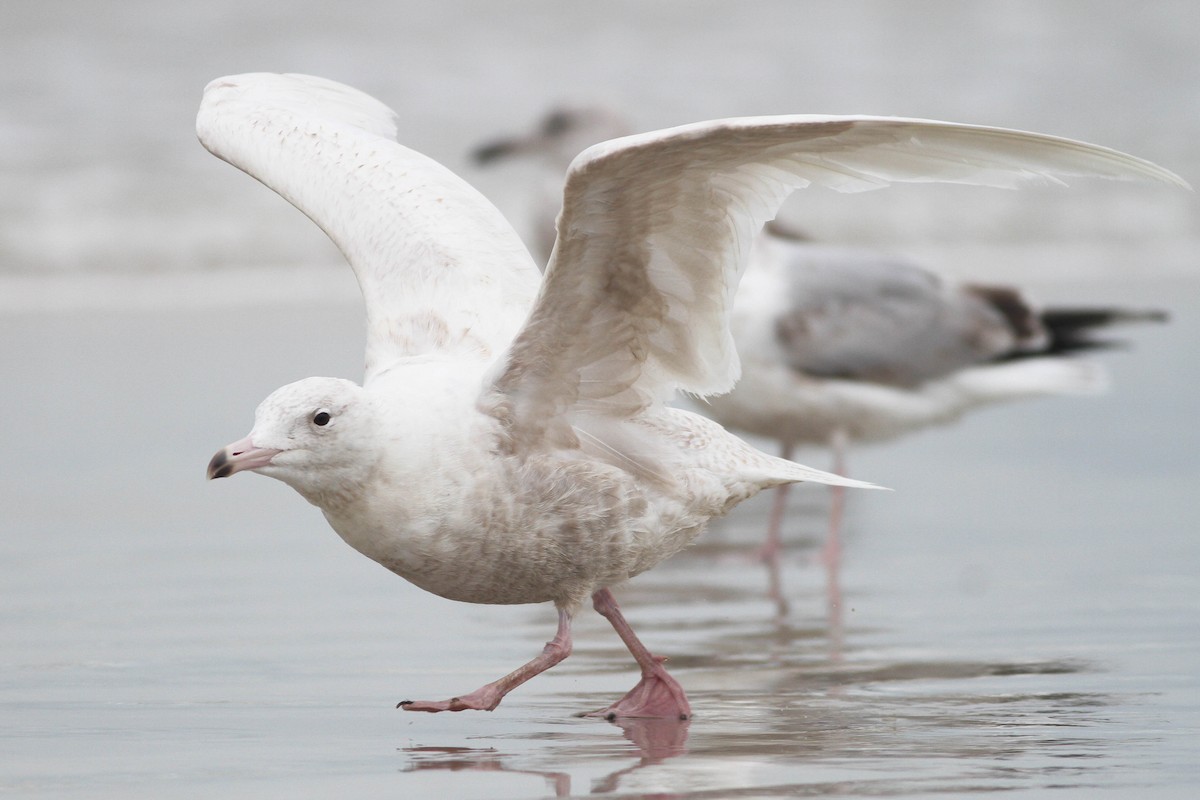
[[533, 533]]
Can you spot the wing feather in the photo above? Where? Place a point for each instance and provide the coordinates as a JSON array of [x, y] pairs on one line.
[[439, 267], [656, 228]]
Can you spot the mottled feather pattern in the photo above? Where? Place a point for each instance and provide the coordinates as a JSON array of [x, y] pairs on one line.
[[577, 523]]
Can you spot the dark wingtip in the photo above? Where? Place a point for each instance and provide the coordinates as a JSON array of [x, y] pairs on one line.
[[1074, 329]]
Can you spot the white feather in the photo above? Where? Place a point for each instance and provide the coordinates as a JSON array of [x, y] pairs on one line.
[[655, 231], [439, 267]]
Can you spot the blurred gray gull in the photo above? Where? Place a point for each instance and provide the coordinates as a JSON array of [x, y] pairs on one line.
[[511, 441], [842, 344], [847, 345]]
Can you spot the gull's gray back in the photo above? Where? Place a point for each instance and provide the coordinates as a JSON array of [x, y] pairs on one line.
[[860, 315]]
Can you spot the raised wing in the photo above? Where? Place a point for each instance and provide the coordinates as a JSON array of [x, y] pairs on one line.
[[439, 267], [655, 230]]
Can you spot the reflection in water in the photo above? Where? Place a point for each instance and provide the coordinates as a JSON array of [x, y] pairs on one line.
[[835, 607], [655, 739], [828, 556], [871, 741], [484, 759]]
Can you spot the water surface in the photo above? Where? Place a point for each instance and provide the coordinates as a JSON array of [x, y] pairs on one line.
[[1020, 614]]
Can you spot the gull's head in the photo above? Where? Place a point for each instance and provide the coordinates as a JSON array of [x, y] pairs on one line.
[[562, 134], [315, 435]]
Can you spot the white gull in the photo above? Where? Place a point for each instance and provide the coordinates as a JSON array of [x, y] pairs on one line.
[[847, 344], [510, 442]]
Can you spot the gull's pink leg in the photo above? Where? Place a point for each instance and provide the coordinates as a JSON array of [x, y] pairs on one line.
[[657, 693], [488, 697], [831, 554], [773, 546]]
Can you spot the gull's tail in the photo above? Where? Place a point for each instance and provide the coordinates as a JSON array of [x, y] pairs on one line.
[[791, 472]]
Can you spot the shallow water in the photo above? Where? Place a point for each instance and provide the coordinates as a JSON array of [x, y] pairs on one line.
[[1020, 615]]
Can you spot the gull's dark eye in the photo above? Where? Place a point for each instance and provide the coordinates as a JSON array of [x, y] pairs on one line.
[[321, 418]]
